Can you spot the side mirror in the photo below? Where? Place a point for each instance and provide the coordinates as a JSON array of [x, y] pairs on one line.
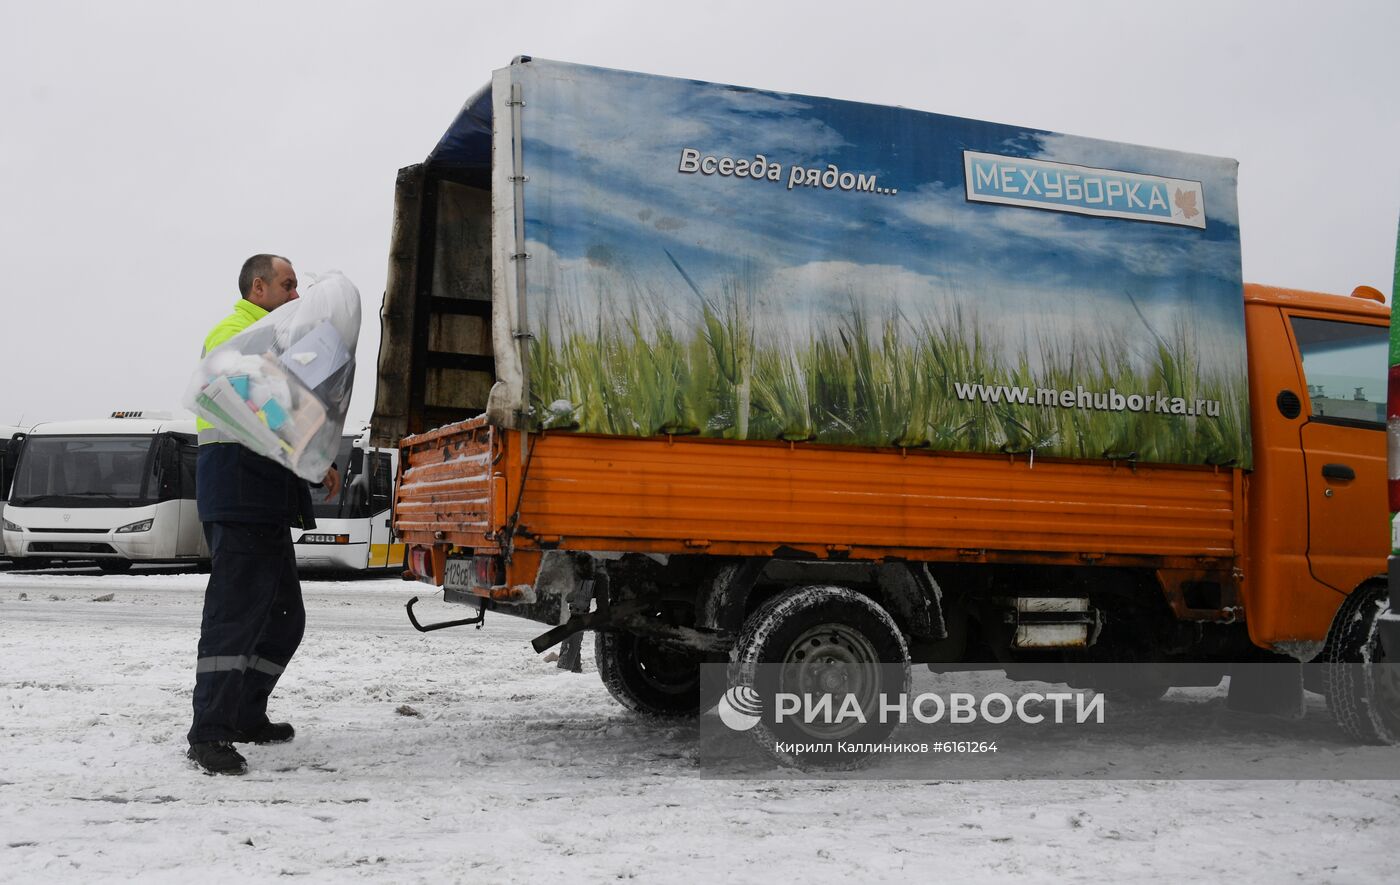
[[168, 456], [10, 449], [9, 457]]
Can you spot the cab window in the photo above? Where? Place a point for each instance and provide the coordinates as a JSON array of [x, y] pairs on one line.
[[1344, 365]]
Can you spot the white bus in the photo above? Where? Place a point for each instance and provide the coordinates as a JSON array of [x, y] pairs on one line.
[[116, 491], [352, 532]]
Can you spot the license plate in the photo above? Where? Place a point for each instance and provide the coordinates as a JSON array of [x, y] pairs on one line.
[[457, 574]]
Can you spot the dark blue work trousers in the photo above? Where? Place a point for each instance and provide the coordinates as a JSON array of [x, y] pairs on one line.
[[253, 623]]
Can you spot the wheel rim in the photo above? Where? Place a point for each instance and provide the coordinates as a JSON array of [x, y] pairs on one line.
[[665, 671], [833, 659]]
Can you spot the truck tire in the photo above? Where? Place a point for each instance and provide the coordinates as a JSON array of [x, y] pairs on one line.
[[648, 678], [818, 640], [1364, 698]]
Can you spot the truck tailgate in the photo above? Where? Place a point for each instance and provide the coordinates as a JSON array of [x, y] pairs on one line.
[[446, 486]]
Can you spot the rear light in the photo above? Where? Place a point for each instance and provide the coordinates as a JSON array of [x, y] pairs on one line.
[[1392, 433], [420, 562], [488, 571]]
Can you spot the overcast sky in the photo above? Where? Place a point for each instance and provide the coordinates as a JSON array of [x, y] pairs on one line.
[[147, 148]]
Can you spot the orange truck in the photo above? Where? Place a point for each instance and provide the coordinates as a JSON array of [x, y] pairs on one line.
[[728, 375]]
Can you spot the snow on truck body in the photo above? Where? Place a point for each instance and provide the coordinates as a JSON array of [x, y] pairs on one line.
[[691, 349]]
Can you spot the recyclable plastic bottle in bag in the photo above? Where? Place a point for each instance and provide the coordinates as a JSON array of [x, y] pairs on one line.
[[281, 387]]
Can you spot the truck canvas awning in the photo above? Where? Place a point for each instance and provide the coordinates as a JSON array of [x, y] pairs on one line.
[[467, 142]]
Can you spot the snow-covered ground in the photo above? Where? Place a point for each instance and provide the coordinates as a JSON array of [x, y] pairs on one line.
[[462, 756]]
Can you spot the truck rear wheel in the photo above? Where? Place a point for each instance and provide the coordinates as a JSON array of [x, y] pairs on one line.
[[1363, 677], [815, 641], [648, 678]]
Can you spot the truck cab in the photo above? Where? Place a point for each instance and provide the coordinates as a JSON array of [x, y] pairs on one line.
[[1316, 494]]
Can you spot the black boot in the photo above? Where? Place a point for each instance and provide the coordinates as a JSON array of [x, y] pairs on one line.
[[268, 733], [218, 757]]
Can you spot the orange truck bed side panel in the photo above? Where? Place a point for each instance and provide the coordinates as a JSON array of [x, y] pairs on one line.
[[686, 495]]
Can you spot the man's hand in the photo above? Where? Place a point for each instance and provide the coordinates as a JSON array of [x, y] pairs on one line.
[[332, 484]]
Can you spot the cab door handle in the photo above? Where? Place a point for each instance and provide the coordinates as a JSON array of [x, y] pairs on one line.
[[1338, 471]]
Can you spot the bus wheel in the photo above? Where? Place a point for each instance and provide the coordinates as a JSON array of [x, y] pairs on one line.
[[815, 642], [114, 566], [1362, 682], [648, 678]]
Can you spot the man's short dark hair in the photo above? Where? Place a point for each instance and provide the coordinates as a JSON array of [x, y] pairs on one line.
[[259, 267]]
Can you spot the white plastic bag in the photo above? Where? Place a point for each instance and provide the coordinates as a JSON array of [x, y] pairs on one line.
[[281, 387]]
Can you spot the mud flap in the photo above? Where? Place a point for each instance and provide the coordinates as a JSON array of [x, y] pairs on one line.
[[1274, 689], [915, 599], [1389, 624]]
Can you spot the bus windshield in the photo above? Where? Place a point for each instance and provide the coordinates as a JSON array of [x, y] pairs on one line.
[[343, 504], [85, 471]]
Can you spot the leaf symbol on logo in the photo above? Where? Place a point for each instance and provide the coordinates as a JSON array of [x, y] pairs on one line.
[[1186, 202]]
